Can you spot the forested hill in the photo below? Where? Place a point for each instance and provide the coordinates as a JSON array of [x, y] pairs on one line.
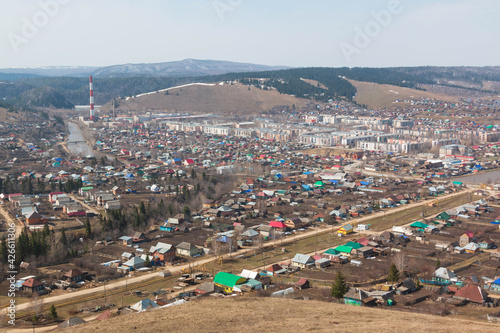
[[68, 91]]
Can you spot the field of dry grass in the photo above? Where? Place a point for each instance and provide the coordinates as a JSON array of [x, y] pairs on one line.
[[383, 95], [246, 314], [227, 99], [315, 83], [6, 116]]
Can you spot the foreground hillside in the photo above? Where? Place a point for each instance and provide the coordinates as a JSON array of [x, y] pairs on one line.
[[234, 99], [278, 315]]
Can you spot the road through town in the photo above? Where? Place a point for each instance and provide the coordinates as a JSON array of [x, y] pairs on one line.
[[176, 269]]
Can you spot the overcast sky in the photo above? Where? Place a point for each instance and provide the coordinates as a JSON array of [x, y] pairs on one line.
[[273, 32]]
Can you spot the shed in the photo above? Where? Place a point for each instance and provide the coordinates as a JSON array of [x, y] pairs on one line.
[[302, 284]]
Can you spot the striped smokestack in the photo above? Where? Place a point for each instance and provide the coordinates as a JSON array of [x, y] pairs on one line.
[[91, 98]]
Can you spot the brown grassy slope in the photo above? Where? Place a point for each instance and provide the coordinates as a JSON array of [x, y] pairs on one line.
[[492, 86], [279, 315], [8, 116], [226, 99], [314, 83], [383, 95]]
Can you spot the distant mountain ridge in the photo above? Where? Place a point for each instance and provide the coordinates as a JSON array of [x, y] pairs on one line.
[[72, 71], [181, 68]]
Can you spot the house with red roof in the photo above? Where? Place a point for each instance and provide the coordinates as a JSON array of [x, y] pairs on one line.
[[274, 269], [33, 285], [472, 293], [188, 162], [363, 241], [466, 238], [278, 225]]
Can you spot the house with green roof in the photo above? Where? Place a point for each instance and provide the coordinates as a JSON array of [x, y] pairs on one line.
[[227, 281], [354, 245], [418, 226], [344, 249], [319, 183], [331, 252], [444, 216]]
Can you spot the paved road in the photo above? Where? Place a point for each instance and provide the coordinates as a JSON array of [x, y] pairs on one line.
[[175, 269]]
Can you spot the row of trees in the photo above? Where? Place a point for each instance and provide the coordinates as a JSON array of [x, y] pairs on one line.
[[31, 186], [45, 246]]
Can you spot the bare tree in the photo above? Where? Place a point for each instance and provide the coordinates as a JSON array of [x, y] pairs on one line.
[[216, 248], [259, 241], [401, 261], [36, 304]]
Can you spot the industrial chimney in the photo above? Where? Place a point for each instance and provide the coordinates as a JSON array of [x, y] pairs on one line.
[[92, 117]]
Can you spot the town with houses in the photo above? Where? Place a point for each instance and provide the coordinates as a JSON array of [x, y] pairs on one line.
[[135, 212]]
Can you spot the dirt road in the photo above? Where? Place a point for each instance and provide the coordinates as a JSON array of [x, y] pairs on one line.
[[9, 219], [93, 210]]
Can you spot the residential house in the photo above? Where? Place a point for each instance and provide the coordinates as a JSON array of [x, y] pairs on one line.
[[302, 261], [275, 269], [135, 263], [163, 252], [443, 274], [138, 237], [322, 262], [126, 256], [472, 248], [330, 253], [144, 305], [34, 218], [472, 293], [126, 240], [345, 230], [466, 238], [278, 226], [74, 275], [386, 236], [406, 287], [364, 252], [187, 249], [250, 234], [344, 250], [265, 230], [74, 209], [294, 223], [486, 244], [33, 285], [207, 203], [358, 297], [302, 284]]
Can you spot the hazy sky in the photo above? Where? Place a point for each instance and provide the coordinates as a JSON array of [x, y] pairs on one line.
[[273, 32]]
